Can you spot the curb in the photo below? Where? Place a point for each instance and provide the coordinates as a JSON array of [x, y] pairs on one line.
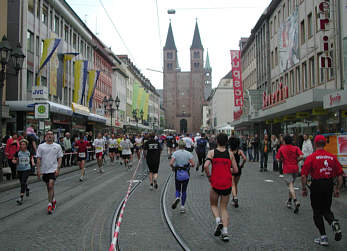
[[33, 179]]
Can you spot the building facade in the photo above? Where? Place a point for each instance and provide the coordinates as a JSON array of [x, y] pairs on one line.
[[185, 92]]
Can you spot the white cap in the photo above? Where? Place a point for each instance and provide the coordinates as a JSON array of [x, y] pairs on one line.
[[198, 134]]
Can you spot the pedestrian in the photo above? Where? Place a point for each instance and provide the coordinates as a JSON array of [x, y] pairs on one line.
[[323, 167], [112, 143], [234, 146], [81, 151], [32, 146], [290, 155], [23, 159], [220, 179], [138, 146], [180, 163], [265, 147], [152, 151], [274, 145], [99, 145], [249, 148], [255, 144], [201, 150], [126, 145], [90, 148], [12, 146], [119, 149], [189, 143], [68, 150], [171, 145], [49, 159], [61, 143], [280, 166], [307, 147]]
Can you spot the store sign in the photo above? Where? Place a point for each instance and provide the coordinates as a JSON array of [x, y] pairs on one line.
[[276, 97], [39, 92], [237, 114], [42, 111], [100, 111], [325, 61], [237, 79], [335, 99]]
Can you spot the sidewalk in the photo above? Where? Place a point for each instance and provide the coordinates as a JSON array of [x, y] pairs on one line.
[[8, 185]]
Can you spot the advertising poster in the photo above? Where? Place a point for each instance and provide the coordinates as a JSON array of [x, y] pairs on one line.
[[237, 80], [337, 145]]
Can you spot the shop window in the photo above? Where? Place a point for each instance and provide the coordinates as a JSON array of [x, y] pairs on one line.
[[309, 25], [56, 24], [30, 80], [312, 72], [302, 32], [30, 41]]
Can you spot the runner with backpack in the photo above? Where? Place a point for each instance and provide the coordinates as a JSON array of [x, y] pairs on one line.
[[181, 161], [201, 148]]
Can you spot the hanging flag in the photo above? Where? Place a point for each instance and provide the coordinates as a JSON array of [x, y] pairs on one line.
[[60, 76], [84, 81], [145, 108], [93, 79], [49, 47], [67, 57], [80, 76]]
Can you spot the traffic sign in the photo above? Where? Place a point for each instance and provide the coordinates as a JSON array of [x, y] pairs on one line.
[[42, 111]]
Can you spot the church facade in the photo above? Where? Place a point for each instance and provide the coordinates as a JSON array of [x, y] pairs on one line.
[[185, 92]]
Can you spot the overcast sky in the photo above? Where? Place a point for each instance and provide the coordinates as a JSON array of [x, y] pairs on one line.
[[221, 23]]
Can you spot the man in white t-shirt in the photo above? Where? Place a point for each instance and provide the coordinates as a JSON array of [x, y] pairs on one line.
[[189, 143], [49, 158], [99, 145], [126, 146]]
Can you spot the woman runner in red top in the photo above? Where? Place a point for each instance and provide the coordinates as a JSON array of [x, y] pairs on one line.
[[223, 165], [81, 146]]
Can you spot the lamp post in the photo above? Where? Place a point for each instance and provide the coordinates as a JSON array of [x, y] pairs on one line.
[[13, 58], [117, 101], [141, 116], [108, 106], [135, 117]]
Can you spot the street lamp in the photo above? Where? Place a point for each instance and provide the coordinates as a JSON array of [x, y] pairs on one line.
[[117, 101], [108, 106], [141, 116], [135, 117]]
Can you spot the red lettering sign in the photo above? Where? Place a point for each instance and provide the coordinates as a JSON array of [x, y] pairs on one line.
[[335, 99], [237, 79]]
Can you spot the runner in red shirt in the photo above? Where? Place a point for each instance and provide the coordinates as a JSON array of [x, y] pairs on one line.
[[323, 168], [290, 156], [81, 146]]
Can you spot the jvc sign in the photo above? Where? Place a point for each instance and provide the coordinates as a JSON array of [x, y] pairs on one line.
[[39, 92]]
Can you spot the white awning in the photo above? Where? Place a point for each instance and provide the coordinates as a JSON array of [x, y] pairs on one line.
[[28, 106], [96, 118]]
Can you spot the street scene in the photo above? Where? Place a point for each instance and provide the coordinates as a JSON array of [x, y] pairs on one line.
[[173, 125]]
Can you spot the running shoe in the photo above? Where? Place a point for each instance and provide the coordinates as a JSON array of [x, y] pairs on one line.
[[261, 170], [224, 237], [289, 204], [236, 202], [151, 186], [175, 203], [81, 178], [337, 230], [155, 184], [54, 204], [102, 170], [202, 174], [323, 240], [296, 209], [182, 210], [49, 209], [27, 192], [218, 230], [281, 176], [19, 201]]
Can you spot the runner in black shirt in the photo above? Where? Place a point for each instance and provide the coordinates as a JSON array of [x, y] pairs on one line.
[[152, 151]]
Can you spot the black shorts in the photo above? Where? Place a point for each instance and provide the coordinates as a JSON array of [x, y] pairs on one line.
[[132, 150], [189, 149], [223, 192], [153, 167], [126, 156], [48, 176], [137, 148], [80, 159], [112, 150], [238, 173]]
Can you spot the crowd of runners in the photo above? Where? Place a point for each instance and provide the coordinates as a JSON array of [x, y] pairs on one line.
[[220, 158]]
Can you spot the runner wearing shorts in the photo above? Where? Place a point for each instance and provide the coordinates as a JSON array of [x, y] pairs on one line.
[[112, 143], [290, 156], [49, 158], [119, 149], [220, 179], [81, 147], [152, 151], [99, 145], [138, 146], [126, 145]]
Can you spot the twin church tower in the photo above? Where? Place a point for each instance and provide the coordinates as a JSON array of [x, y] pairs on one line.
[[185, 92]]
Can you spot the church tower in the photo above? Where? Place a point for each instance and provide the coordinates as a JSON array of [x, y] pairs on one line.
[[196, 52], [208, 78]]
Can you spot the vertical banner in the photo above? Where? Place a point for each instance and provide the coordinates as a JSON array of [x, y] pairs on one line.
[[49, 47], [67, 57], [93, 79], [84, 80], [145, 108], [135, 95], [80, 70], [53, 70], [236, 74], [60, 75], [139, 99]]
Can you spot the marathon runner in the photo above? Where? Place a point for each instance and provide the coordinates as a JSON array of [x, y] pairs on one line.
[[112, 142], [152, 151], [323, 168], [49, 158], [189, 143], [126, 145], [201, 149], [99, 145], [138, 146], [220, 179], [170, 143], [290, 156], [234, 144], [81, 147], [119, 149], [22, 159], [180, 163]]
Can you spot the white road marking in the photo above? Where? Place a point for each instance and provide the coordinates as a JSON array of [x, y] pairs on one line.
[[270, 181]]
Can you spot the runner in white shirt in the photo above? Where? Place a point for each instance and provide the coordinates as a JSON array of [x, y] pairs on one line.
[[126, 150], [112, 144], [49, 158], [99, 145], [189, 143], [138, 146]]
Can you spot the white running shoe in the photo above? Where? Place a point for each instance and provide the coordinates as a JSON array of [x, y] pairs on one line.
[[323, 240], [182, 210], [81, 178]]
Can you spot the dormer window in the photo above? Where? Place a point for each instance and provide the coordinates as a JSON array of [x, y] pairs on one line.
[[196, 54]]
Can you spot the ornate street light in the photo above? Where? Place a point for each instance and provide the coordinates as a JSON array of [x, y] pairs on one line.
[[108, 106], [117, 102]]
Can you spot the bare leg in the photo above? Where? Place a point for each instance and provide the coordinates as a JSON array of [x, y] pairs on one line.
[[223, 208], [214, 203], [50, 190], [291, 191], [150, 178]]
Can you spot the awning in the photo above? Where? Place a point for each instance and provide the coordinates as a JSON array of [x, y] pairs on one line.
[[96, 118], [80, 109], [28, 106]]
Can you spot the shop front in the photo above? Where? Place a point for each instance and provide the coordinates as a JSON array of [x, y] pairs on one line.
[[336, 103]]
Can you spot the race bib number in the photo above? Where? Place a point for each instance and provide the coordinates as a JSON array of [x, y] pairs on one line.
[[99, 148], [112, 145], [82, 155], [24, 161]]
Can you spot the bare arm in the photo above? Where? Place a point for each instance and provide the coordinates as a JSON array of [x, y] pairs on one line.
[[172, 162], [208, 162], [38, 167], [235, 169], [191, 161], [244, 159]]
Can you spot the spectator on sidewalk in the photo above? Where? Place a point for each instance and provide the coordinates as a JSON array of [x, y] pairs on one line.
[[61, 143], [265, 147], [274, 146], [68, 150], [255, 144], [12, 146], [249, 148]]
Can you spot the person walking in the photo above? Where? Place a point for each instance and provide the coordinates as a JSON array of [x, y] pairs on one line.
[[290, 155], [220, 179], [152, 151], [180, 163], [307, 148], [49, 158], [249, 148], [81, 151], [323, 167], [12, 146], [265, 147], [255, 144], [68, 150], [201, 150], [274, 146], [23, 159]]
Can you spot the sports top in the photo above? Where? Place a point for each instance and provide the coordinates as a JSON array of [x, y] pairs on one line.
[[221, 176]]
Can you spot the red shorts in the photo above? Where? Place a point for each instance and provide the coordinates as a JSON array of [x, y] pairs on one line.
[[99, 155]]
